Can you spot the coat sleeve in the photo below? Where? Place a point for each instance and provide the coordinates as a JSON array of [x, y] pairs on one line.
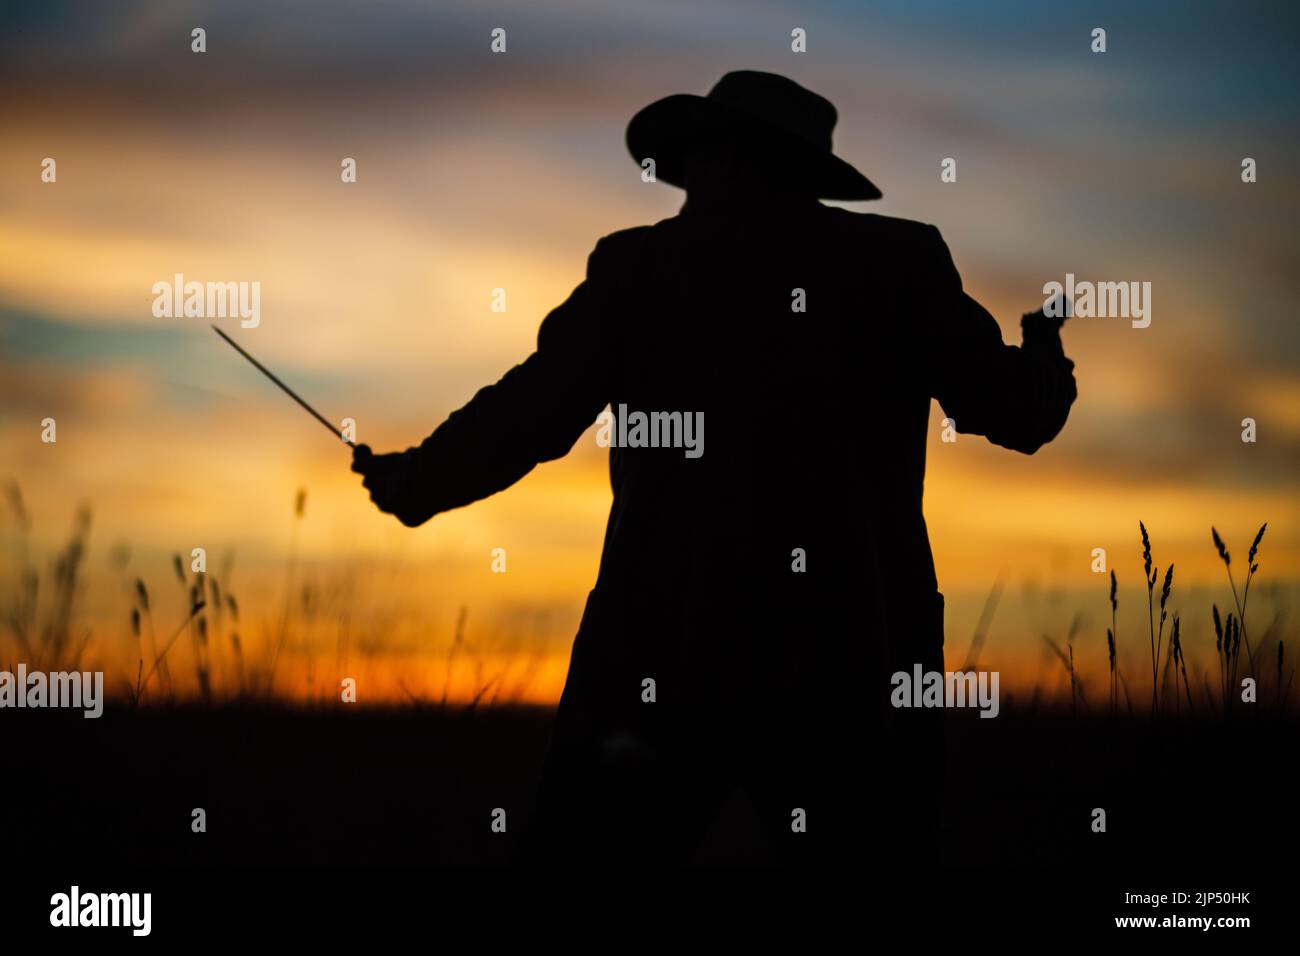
[[1016, 397], [534, 413]]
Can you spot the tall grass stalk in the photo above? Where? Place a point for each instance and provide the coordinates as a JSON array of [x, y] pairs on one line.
[[1251, 568], [172, 640], [1150, 574]]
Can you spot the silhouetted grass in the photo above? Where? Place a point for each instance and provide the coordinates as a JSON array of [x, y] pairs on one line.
[[219, 669], [41, 625]]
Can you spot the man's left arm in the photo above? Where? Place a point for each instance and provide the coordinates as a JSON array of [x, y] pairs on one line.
[[533, 414]]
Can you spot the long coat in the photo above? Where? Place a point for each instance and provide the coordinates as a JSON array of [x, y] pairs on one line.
[[768, 586]]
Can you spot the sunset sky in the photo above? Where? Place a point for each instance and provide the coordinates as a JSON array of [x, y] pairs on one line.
[[478, 171]]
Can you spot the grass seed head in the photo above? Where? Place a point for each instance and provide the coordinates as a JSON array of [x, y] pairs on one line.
[[1220, 546], [1254, 546], [1146, 548]]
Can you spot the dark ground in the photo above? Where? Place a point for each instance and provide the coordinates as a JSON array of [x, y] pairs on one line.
[[415, 787]]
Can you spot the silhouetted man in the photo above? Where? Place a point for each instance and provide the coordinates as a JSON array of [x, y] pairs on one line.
[[769, 586]]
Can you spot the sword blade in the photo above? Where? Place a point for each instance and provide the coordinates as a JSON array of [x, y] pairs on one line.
[[285, 388]]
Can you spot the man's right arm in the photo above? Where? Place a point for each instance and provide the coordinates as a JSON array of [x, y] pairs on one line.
[[1016, 397]]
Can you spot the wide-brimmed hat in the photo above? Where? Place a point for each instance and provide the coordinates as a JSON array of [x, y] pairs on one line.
[[760, 111]]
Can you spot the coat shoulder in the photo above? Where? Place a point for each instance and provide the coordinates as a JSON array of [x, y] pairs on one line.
[[888, 228], [623, 245]]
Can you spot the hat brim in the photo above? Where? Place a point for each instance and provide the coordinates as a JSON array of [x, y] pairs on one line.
[[666, 130]]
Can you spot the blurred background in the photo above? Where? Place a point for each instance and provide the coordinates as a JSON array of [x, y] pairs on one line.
[[477, 171]]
